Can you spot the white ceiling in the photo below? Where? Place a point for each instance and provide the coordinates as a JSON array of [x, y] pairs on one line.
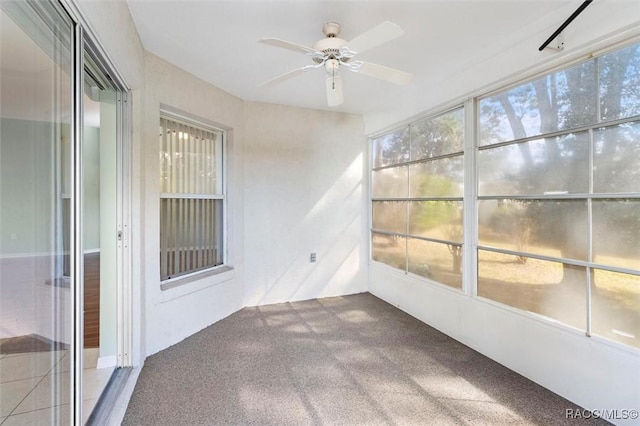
[[218, 42]]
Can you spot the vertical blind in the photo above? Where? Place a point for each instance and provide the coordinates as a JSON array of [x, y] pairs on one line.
[[191, 200], [188, 159]]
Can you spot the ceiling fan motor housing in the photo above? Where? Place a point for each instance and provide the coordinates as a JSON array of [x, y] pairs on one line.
[[330, 47]]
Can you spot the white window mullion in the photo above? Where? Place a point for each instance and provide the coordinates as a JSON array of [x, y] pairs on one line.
[[470, 211]]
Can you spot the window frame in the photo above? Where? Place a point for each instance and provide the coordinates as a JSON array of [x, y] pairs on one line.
[[180, 117], [591, 196], [471, 197], [409, 199], [590, 129]]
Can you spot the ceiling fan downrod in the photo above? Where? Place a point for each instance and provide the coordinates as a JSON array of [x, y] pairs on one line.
[[331, 29]]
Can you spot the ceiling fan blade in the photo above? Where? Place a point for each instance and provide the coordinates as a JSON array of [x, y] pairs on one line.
[[287, 45], [286, 76], [376, 36], [334, 90], [381, 72]]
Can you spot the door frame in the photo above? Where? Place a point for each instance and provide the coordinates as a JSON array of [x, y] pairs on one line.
[[87, 42]]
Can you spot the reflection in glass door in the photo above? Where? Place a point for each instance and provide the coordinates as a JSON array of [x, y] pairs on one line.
[[36, 205]]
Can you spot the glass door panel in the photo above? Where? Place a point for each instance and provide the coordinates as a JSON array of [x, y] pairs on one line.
[[36, 309], [99, 233]]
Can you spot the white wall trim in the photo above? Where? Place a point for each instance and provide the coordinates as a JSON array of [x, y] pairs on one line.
[[175, 288]]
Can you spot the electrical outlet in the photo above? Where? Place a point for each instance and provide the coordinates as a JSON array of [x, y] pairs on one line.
[[312, 257]]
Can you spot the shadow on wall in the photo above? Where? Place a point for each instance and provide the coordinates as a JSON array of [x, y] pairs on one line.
[[333, 229], [339, 267]]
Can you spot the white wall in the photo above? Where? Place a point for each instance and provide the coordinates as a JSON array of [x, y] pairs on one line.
[[173, 314], [112, 23], [303, 193], [589, 372]]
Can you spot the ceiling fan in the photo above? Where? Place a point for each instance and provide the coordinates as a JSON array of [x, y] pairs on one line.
[[334, 54]]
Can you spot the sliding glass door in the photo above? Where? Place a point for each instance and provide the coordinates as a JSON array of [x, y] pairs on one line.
[[63, 226], [36, 214]]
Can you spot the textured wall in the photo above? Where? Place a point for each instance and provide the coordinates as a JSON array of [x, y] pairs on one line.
[[176, 313], [304, 193]]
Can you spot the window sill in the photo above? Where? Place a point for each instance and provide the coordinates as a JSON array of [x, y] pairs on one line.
[[182, 286]]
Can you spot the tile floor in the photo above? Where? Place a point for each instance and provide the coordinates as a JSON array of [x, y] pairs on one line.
[[29, 380]]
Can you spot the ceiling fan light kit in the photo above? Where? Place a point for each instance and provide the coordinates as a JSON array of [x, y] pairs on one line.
[[333, 53]]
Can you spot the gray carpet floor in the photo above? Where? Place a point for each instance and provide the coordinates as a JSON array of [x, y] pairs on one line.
[[353, 360]]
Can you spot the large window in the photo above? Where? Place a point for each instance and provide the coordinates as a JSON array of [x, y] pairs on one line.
[[556, 169], [417, 186], [191, 199], [559, 196]]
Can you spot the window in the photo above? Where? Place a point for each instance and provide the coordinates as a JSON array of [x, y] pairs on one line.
[[559, 196], [192, 197], [417, 188], [556, 169]]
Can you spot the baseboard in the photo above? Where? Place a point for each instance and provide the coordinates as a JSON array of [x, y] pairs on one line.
[[106, 362]]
